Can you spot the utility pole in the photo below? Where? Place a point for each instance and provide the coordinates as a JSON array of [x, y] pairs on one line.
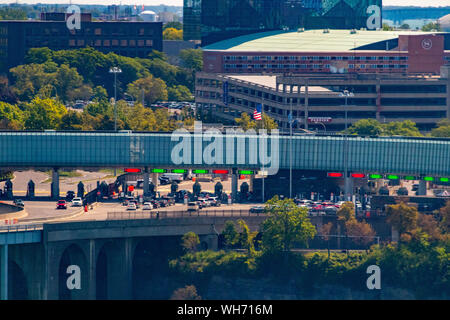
[[346, 94], [115, 70]]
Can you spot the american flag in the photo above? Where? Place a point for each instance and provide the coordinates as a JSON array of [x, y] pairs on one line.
[[257, 115]]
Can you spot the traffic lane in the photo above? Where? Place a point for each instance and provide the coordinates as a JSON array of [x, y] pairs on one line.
[[45, 209], [100, 212]]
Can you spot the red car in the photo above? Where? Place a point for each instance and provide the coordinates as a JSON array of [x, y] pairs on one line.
[[61, 204]]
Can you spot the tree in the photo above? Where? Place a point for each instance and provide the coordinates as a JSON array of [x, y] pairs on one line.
[[29, 79], [173, 24], [66, 80], [38, 55], [361, 230], [43, 114], [186, 293], [432, 26], [154, 89], [172, 34], [402, 217], [230, 235], [405, 26], [190, 241], [405, 128], [386, 27], [11, 116], [9, 13], [179, 93], [445, 218], [245, 122], [192, 59], [428, 224], [286, 223], [218, 188], [366, 127], [326, 232], [346, 212], [72, 120], [443, 129], [196, 188], [246, 237], [174, 187]]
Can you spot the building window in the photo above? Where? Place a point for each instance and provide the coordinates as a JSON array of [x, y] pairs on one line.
[[123, 43], [115, 42], [98, 31], [141, 31], [106, 43], [140, 43], [72, 43], [98, 43], [132, 43], [148, 43], [80, 42]]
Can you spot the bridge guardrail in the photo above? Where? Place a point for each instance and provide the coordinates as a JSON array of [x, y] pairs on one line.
[[21, 228], [125, 215]]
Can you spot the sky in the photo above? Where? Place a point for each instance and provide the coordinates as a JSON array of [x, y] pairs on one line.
[[421, 3]]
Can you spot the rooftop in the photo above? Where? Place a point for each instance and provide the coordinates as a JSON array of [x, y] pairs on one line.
[[307, 41]]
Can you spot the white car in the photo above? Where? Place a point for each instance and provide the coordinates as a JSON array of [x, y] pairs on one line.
[[77, 202], [131, 206], [147, 206]]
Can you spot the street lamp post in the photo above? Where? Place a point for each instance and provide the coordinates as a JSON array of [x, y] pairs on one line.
[[346, 94], [115, 70]]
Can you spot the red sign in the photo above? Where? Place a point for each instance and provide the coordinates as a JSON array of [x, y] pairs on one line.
[[130, 188], [221, 171], [335, 175], [132, 170], [319, 119], [358, 175]]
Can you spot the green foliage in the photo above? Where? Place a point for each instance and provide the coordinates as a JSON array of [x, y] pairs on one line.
[[246, 123], [386, 27], [172, 34], [72, 120], [230, 234], [154, 89], [173, 24], [432, 26], [190, 241], [192, 59], [402, 217], [179, 93], [9, 13], [11, 117], [373, 127], [443, 129], [43, 114], [286, 223], [346, 212]]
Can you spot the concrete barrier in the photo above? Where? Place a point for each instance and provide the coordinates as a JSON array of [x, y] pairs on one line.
[[9, 211]]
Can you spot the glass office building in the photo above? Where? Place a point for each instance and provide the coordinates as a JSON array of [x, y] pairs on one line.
[[216, 20]]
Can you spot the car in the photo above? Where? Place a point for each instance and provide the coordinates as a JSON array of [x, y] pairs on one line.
[[131, 206], [77, 202], [257, 209], [164, 180], [70, 195], [204, 203], [61, 204], [19, 202], [155, 203], [136, 203], [214, 201], [193, 206], [147, 206]]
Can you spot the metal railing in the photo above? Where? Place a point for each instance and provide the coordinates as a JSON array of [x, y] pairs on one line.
[[134, 215], [21, 228]]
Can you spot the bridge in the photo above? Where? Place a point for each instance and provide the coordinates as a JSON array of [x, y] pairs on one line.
[[231, 151], [111, 254]]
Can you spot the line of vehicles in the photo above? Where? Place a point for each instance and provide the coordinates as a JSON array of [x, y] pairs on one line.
[[318, 207], [75, 202]]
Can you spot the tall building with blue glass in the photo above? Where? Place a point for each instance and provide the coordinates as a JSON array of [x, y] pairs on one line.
[[216, 20]]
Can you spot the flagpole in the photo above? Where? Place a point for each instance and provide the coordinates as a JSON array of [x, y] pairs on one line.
[[291, 120], [264, 152]]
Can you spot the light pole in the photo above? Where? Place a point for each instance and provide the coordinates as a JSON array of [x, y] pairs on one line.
[[346, 94], [115, 70]]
